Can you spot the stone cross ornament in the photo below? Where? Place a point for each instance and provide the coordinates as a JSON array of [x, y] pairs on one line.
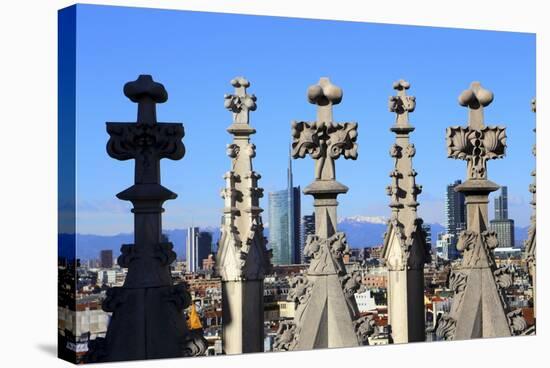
[[146, 141], [402, 104], [476, 143], [240, 103], [323, 139]]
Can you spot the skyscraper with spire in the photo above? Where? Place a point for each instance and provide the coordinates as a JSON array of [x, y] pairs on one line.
[[284, 223]]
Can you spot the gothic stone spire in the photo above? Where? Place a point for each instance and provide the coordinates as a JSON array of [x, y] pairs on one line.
[[531, 242], [326, 313], [478, 309], [242, 255], [148, 320], [405, 250]]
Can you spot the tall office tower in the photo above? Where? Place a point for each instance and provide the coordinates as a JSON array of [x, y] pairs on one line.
[[191, 247], [503, 226], [205, 247], [198, 247], [295, 210], [455, 217], [106, 258], [284, 223], [278, 228], [501, 204], [308, 228]]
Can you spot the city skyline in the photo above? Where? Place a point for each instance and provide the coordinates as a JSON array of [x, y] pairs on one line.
[[368, 273], [508, 68]]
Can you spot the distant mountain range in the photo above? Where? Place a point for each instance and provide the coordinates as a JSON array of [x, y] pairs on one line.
[[361, 231]]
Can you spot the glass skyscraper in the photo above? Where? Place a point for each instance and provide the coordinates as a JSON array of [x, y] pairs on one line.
[[501, 204], [284, 223], [198, 247]]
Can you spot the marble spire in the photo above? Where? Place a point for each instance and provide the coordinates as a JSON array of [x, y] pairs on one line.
[[242, 256], [531, 242], [479, 308], [326, 313], [148, 319], [405, 250]]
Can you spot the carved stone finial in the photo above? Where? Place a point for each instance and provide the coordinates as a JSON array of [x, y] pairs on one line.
[[478, 308], [148, 281], [475, 98], [530, 243], [476, 143], [146, 93], [242, 256], [401, 85], [143, 88], [240, 103], [402, 105], [405, 250], [323, 139], [324, 94], [326, 308]]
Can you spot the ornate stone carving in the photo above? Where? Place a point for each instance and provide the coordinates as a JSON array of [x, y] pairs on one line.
[[477, 248], [324, 143], [446, 327], [476, 147], [530, 244], [478, 308], [475, 143], [148, 281], [238, 103], [286, 338], [503, 277], [405, 250], [325, 306], [516, 321], [365, 328], [242, 252], [300, 289], [194, 344], [457, 282], [242, 258]]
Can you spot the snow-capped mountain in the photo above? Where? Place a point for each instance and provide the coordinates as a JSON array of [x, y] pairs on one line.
[[368, 231], [363, 231], [370, 219]]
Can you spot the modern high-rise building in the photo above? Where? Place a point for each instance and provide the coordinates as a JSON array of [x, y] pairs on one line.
[[455, 218], [502, 225], [106, 258], [501, 204], [198, 247], [308, 228], [284, 223]]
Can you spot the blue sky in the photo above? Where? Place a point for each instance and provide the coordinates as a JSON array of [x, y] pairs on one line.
[[195, 55]]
